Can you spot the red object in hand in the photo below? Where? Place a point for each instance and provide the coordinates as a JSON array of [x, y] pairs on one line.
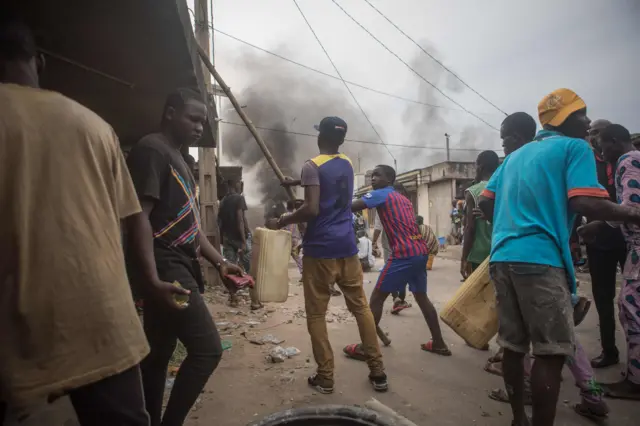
[[241, 281]]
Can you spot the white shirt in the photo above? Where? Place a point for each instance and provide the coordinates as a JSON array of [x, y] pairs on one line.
[[365, 250]]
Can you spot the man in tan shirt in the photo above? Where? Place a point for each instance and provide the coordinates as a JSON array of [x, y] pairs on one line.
[[67, 319]]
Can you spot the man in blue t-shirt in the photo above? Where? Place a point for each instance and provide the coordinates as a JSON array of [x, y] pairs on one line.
[[330, 253], [532, 200]]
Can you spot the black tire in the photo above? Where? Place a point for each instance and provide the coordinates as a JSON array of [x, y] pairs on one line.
[[326, 415]]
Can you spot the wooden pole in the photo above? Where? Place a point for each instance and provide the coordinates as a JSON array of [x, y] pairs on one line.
[[206, 156], [245, 118]]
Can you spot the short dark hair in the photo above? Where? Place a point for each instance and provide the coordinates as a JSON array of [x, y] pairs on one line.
[[178, 98], [16, 39], [617, 132], [522, 124], [388, 171], [489, 160]]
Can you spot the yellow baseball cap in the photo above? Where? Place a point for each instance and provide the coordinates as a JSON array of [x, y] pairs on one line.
[[554, 108]]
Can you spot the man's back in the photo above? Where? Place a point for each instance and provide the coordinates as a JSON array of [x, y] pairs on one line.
[[228, 216], [532, 189], [66, 307], [330, 234], [399, 223]]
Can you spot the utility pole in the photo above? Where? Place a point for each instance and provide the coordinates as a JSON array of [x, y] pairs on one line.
[[446, 135], [206, 156]]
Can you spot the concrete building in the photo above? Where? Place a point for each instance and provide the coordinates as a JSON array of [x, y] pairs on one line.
[[432, 191]]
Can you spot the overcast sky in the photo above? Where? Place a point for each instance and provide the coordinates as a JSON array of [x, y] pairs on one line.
[[513, 52]]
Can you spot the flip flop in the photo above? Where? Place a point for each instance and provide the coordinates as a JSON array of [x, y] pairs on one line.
[[354, 351], [617, 394], [428, 347], [584, 410], [492, 368], [580, 311], [500, 395], [396, 309]]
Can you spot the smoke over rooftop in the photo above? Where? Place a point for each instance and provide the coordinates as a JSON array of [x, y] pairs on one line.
[[280, 98]]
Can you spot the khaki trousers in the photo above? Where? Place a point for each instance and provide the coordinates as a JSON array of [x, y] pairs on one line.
[[317, 277]]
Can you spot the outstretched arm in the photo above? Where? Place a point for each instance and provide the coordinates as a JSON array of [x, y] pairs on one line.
[[309, 209]]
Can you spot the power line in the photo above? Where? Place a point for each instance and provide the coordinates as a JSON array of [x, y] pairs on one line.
[[351, 140], [434, 58], [395, 162], [333, 76], [412, 69], [361, 86]]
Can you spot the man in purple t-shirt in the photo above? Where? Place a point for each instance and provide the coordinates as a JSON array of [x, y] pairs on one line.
[[331, 255]]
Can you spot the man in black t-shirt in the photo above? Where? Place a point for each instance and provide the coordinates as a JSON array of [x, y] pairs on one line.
[[170, 240], [233, 227], [236, 238]]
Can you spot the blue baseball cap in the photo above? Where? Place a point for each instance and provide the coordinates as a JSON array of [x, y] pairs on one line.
[[332, 126]]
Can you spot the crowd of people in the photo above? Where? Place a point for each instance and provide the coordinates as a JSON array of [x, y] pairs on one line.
[[86, 341], [530, 200]]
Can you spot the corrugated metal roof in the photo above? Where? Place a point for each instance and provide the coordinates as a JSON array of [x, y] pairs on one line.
[[120, 58]]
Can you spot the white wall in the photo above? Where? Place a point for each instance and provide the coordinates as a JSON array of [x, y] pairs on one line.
[[423, 202], [440, 198]]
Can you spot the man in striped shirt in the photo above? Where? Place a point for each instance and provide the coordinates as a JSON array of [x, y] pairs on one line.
[[407, 263]]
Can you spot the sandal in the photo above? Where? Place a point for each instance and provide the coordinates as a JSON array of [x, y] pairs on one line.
[[497, 357], [354, 351], [494, 368], [399, 306], [580, 310], [428, 347], [592, 411], [319, 384], [501, 395]]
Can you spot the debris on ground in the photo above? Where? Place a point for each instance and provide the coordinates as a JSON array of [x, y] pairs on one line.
[[279, 354], [292, 351], [267, 338]]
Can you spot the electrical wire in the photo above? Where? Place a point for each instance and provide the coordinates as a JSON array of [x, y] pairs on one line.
[[380, 92], [412, 69], [434, 58], [309, 68], [345, 83], [352, 140]]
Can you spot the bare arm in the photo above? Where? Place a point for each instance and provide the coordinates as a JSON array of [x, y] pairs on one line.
[[358, 205], [309, 209], [486, 205], [140, 235], [603, 209], [470, 228], [209, 252], [242, 229], [141, 240], [376, 235]]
